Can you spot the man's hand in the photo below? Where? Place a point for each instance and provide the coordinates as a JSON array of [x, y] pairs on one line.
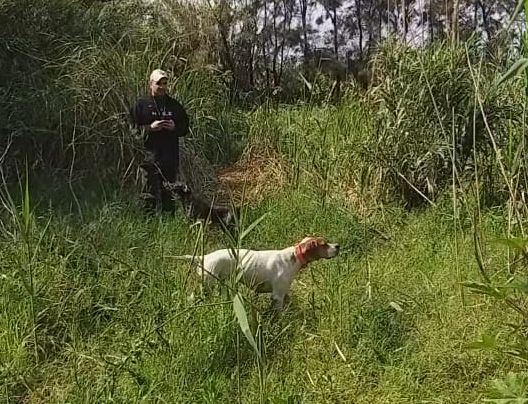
[[157, 125], [168, 124]]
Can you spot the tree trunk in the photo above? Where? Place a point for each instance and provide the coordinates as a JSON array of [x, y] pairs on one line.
[[288, 15], [336, 36], [485, 20], [431, 22], [264, 51], [226, 56], [360, 28], [331, 12], [475, 15], [304, 10], [454, 21], [380, 24], [451, 16], [403, 21], [275, 45]]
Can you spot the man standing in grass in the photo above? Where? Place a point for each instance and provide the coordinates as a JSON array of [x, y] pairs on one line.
[[161, 120]]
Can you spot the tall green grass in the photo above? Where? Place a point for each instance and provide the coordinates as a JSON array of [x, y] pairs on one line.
[[505, 284], [93, 311], [116, 320], [385, 322]]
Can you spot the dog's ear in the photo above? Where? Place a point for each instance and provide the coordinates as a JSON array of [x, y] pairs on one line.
[[313, 248], [311, 243], [307, 239]]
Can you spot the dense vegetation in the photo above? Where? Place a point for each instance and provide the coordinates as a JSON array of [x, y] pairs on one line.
[[415, 162]]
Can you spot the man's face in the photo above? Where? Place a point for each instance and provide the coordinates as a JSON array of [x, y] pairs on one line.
[[159, 87]]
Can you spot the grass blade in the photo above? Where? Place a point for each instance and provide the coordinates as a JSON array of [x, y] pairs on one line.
[[517, 68], [241, 315], [515, 14], [26, 208], [252, 226], [306, 82]]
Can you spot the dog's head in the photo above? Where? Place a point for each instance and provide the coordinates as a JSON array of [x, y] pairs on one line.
[[179, 187], [313, 248]]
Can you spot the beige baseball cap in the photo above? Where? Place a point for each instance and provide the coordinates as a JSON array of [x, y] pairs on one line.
[[158, 74]]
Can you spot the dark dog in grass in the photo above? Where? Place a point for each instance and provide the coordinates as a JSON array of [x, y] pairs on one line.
[[196, 208]]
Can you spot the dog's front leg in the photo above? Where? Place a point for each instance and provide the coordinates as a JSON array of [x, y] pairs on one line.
[[277, 300], [276, 303]]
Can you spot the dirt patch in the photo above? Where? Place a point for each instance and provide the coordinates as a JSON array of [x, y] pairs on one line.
[[257, 174]]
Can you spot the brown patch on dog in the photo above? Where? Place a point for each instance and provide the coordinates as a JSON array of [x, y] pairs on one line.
[[314, 248]]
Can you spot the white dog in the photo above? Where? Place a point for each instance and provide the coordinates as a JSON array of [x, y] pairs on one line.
[[264, 271]]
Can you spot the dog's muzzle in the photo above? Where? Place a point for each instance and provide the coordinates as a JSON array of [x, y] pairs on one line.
[[333, 250]]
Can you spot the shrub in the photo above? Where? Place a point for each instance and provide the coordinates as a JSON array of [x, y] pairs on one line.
[[426, 114]]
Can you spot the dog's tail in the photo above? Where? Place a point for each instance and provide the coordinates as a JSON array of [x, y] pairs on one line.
[[187, 257]]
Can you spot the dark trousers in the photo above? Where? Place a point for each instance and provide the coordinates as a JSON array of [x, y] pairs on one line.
[[160, 166]]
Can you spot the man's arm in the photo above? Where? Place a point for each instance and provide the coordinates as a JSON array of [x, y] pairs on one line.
[[140, 126], [181, 120]]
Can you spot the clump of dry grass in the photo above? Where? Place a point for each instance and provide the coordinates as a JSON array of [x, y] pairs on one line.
[[260, 172], [363, 198]]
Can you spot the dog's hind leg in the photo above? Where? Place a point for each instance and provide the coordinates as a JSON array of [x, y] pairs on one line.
[[207, 280]]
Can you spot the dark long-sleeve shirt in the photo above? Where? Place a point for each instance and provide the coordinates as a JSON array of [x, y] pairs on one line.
[[150, 109]]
